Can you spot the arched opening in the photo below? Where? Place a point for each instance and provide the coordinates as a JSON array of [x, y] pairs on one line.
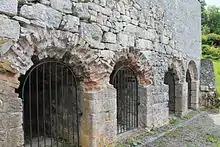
[[193, 85], [125, 82], [169, 79], [189, 81], [50, 105]]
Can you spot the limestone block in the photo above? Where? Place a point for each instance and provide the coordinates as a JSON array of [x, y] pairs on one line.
[[131, 28], [43, 14], [144, 44], [15, 137], [118, 26], [45, 2], [131, 40], [91, 32], [9, 7], [126, 18], [81, 10], [14, 120], [109, 37], [204, 88], [14, 105], [63, 6], [122, 39], [4, 47], [121, 7], [3, 138], [149, 34], [3, 121], [71, 23], [22, 19], [9, 28], [164, 39]]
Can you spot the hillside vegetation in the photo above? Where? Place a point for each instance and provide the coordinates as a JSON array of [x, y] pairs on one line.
[[211, 37]]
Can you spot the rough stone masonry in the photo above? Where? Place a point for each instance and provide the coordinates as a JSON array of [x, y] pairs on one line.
[[92, 36]]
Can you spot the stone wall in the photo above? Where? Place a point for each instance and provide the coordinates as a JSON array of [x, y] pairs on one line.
[[11, 131], [207, 83], [92, 36]]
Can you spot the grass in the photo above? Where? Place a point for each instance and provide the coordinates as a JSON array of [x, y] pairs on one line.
[[217, 74]]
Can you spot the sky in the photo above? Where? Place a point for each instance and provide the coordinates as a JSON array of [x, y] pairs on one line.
[[213, 2]]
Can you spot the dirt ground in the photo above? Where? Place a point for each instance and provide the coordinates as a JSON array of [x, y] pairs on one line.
[[202, 130]]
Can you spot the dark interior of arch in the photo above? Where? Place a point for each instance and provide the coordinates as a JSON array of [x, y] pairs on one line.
[[189, 80], [170, 81]]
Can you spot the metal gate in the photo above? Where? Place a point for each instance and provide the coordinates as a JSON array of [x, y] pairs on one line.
[[50, 116], [126, 84]]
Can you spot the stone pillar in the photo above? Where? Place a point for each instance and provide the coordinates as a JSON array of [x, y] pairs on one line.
[[143, 120], [99, 124], [195, 94], [153, 108], [181, 99], [11, 130]]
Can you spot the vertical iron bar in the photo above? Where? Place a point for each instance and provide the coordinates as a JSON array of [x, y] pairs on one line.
[[62, 104], [137, 99], [37, 90], [77, 113], [126, 98], [119, 101], [56, 103], [67, 79], [74, 106], [29, 98], [50, 95], [129, 103], [43, 72]]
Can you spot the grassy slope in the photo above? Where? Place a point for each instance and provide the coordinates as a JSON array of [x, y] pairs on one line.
[[217, 74]]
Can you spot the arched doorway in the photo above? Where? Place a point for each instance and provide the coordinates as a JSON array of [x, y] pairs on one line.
[[189, 81], [125, 82], [169, 80], [50, 105], [193, 85]]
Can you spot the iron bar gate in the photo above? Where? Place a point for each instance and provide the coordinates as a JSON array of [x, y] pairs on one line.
[[126, 84], [49, 93]]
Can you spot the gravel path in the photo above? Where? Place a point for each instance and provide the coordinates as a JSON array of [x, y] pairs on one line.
[[202, 130]]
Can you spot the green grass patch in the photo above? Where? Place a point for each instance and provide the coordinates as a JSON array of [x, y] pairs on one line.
[[217, 74]]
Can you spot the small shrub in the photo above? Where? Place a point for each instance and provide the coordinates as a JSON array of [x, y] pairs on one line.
[[174, 120], [211, 138], [210, 38], [134, 142]]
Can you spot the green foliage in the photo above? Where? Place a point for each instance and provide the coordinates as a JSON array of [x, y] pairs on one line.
[[205, 29], [134, 142], [210, 38], [211, 138], [174, 120], [210, 19], [217, 74]]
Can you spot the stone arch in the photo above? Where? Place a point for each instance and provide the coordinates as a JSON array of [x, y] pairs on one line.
[[137, 61], [193, 70], [174, 78], [41, 44], [193, 85]]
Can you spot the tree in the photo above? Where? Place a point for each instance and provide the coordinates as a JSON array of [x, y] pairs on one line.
[[203, 11], [213, 19]]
